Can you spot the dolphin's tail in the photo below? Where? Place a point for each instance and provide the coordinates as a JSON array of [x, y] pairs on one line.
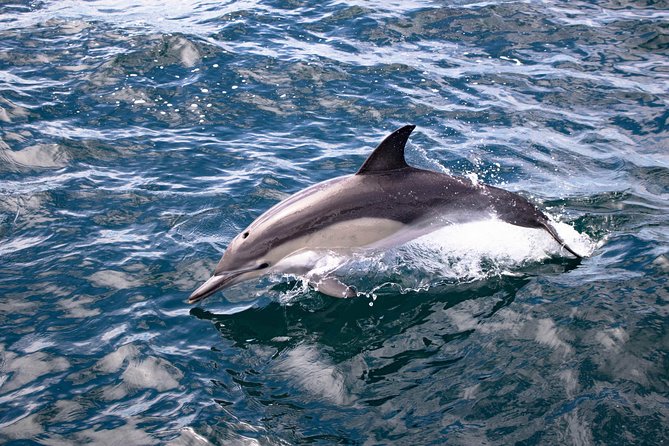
[[551, 230]]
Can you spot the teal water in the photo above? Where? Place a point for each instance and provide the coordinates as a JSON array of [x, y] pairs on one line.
[[138, 138]]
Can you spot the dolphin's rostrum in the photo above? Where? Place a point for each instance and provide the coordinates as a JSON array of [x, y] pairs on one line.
[[386, 203]]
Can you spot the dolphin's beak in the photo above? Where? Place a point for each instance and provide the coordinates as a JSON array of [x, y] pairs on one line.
[[208, 288], [219, 281], [213, 284]]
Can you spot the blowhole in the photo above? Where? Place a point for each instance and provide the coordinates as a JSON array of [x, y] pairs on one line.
[[244, 235]]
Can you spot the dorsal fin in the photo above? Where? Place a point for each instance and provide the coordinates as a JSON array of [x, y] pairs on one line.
[[389, 155]]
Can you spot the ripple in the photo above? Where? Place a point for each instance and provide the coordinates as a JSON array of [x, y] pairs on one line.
[[137, 139], [27, 368], [19, 244], [313, 374]]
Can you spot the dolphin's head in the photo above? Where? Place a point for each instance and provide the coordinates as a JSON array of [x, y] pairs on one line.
[[249, 255]]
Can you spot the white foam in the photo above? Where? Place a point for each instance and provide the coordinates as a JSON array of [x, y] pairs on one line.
[[577, 241], [500, 242], [455, 253]]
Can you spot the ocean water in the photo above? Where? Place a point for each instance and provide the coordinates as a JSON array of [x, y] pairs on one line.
[[138, 138]]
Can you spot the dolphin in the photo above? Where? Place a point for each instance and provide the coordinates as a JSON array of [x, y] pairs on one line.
[[385, 203]]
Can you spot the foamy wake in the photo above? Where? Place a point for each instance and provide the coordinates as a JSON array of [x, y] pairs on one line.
[[457, 253]]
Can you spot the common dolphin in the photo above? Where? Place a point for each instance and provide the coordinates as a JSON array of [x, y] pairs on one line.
[[385, 203]]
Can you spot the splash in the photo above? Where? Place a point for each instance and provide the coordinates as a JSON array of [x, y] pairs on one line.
[[453, 254]]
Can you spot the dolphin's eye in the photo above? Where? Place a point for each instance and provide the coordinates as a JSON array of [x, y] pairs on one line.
[[244, 235], [263, 266]]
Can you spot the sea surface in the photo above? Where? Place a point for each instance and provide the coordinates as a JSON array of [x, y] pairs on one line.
[[138, 138]]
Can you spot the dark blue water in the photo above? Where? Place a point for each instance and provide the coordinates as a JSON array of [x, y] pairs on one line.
[[138, 138]]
